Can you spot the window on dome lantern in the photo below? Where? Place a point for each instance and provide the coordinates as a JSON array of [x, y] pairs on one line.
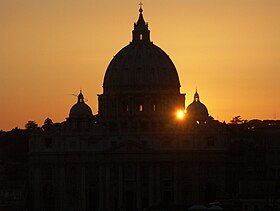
[[141, 36], [140, 108]]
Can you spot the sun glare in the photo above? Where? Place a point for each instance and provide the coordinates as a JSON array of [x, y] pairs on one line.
[[180, 114]]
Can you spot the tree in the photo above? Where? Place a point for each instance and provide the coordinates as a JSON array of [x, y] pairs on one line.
[[48, 123], [31, 125], [237, 120]]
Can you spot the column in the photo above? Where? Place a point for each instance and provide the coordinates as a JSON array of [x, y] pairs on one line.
[[108, 204], [176, 185], [138, 188], [157, 183], [83, 190], [101, 188], [37, 200], [197, 180], [62, 188], [151, 185], [120, 187]]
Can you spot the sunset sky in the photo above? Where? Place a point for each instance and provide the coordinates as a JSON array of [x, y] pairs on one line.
[[49, 49]]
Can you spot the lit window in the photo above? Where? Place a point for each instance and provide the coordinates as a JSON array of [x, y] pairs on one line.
[[141, 37], [154, 107], [140, 108]]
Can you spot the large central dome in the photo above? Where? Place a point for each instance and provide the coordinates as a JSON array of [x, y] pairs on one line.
[[141, 66], [141, 83]]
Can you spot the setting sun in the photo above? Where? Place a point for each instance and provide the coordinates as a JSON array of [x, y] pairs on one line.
[[58, 38], [180, 114]]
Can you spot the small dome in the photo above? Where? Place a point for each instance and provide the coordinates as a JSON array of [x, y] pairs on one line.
[[80, 109], [197, 110]]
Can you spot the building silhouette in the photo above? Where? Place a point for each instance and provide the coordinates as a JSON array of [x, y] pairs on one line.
[[135, 153]]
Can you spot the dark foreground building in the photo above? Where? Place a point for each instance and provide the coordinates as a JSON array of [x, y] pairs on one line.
[[14, 170], [135, 153]]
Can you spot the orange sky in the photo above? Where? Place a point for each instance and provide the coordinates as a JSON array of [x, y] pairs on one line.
[[229, 49]]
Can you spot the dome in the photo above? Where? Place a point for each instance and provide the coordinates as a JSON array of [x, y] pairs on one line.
[[80, 109], [140, 83], [141, 66], [197, 110]]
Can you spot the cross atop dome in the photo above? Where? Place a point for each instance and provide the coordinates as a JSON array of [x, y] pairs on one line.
[[81, 97], [141, 32], [196, 96], [141, 6]]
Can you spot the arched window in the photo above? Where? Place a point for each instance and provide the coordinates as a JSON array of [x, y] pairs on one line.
[[141, 36]]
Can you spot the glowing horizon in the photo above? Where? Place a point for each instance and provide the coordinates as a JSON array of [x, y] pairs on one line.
[[51, 49]]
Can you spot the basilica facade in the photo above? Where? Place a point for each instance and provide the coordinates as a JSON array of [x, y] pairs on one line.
[[134, 154]]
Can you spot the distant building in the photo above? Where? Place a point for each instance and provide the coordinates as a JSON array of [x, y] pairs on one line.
[[135, 153]]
